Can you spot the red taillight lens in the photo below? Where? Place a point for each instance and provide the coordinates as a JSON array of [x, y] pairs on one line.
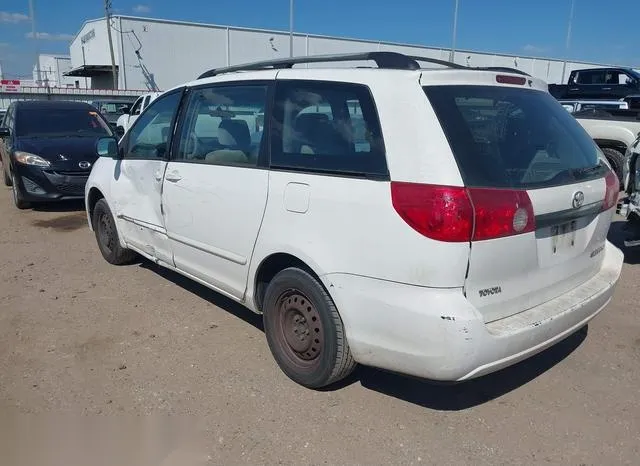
[[501, 212], [456, 214], [612, 190], [442, 213]]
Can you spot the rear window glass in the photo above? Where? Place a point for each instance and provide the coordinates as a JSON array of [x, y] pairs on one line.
[[513, 138], [54, 122]]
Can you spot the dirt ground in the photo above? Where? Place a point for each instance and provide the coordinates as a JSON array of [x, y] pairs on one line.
[[81, 337]]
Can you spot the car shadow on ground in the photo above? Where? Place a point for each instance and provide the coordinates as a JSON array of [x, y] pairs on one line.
[[428, 394], [62, 206], [619, 232], [205, 293]]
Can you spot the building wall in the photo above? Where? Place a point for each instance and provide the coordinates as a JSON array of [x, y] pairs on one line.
[[93, 38], [52, 69], [170, 53]]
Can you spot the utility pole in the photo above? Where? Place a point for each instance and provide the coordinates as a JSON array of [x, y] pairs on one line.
[[568, 41], [35, 41], [291, 28], [107, 9], [452, 54]]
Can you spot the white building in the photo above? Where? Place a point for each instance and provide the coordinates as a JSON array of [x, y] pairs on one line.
[[52, 71], [158, 54]]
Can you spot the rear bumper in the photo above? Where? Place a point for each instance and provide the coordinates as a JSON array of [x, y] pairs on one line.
[[44, 185], [437, 334]]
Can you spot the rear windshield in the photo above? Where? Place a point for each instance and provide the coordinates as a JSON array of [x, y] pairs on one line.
[[503, 137], [60, 122]]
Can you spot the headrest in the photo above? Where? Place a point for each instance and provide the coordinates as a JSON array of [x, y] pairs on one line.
[[305, 122], [234, 133]]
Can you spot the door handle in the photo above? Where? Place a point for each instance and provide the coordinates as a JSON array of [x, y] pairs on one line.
[[173, 177], [606, 88]]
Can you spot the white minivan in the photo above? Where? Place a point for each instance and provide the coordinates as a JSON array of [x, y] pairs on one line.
[[443, 223]]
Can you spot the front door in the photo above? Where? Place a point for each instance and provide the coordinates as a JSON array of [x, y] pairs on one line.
[[138, 179], [215, 192]]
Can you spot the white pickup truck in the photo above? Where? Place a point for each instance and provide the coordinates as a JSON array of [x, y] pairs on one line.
[[126, 120], [614, 131]]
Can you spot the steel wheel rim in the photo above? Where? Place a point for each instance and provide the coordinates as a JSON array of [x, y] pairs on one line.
[[299, 330], [105, 232]]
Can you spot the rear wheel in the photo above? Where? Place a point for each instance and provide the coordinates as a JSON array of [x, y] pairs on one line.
[[304, 330], [616, 159], [104, 227], [18, 197]]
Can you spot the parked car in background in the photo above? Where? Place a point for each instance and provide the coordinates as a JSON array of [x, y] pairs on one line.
[[469, 235], [125, 120], [598, 83], [573, 106], [613, 131], [629, 206], [48, 149], [112, 110]]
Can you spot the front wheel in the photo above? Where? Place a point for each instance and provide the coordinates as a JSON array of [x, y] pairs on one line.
[[7, 177], [104, 227], [18, 197], [304, 330]]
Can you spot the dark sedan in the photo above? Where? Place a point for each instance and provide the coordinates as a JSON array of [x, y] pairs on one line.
[[48, 149]]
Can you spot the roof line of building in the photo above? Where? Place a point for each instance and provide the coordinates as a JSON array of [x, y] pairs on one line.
[[349, 39]]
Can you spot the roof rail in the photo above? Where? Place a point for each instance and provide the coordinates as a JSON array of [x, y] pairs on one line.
[[384, 60]]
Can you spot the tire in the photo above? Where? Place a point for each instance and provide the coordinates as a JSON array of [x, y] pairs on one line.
[[304, 330], [7, 177], [18, 197], [107, 237], [616, 159]]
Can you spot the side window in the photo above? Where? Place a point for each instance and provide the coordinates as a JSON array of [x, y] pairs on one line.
[[135, 110], [146, 102], [327, 127], [223, 125], [149, 137]]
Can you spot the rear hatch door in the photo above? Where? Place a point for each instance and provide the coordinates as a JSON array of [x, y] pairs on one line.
[[511, 138]]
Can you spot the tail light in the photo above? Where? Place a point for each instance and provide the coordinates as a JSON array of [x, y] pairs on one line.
[[457, 214], [612, 190]]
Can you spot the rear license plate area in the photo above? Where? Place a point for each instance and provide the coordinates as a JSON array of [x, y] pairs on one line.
[[563, 237]]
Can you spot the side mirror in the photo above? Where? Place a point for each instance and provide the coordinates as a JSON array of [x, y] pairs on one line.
[[107, 147], [4, 132]]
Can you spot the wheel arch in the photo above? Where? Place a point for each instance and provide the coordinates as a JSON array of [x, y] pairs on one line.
[[93, 196], [611, 144], [270, 266]]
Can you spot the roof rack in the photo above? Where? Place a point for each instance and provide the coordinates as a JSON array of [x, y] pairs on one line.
[[384, 60]]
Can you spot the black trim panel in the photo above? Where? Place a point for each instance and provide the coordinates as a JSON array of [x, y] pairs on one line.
[[566, 216]]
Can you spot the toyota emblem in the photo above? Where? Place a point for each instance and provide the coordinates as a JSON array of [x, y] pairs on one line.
[[84, 165], [578, 200]]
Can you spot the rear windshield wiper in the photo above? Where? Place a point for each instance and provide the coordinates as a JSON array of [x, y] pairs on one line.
[[587, 170]]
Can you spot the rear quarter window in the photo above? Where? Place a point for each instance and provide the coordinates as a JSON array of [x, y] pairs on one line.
[[506, 137], [327, 127]]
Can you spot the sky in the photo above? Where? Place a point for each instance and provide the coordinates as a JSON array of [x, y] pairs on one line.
[[600, 32]]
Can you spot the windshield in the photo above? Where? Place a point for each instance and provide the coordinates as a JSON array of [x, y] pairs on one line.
[[504, 137], [635, 74], [60, 122]]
